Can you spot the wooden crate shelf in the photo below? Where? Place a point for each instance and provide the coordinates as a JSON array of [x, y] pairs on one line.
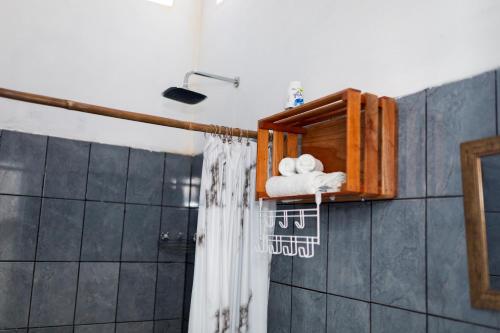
[[348, 131]]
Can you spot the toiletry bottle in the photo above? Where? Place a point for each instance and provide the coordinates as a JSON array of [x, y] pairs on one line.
[[295, 94]]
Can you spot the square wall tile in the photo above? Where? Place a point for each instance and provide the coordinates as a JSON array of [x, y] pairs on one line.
[[18, 330], [175, 222], [136, 296], [54, 294], [22, 163], [107, 172], [168, 326], [309, 311], [347, 315], [102, 231], [177, 181], [311, 272], [97, 293], [98, 328], [441, 325], [456, 112], [141, 233], [15, 292], [398, 257], [67, 165], [281, 266], [60, 231], [411, 156], [391, 320], [145, 177], [18, 227], [349, 250], [170, 291], [491, 182], [137, 327], [279, 309], [448, 281]]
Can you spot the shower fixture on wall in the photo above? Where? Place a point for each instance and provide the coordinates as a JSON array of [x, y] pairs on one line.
[[177, 242], [187, 96]]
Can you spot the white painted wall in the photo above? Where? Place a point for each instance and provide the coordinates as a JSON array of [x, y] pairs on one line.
[[388, 47], [116, 53], [124, 53]]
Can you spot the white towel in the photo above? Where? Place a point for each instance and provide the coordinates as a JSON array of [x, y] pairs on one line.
[[307, 163], [307, 183], [287, 166]]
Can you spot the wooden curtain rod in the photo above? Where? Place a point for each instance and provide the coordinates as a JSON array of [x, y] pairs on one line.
[[121, 114]]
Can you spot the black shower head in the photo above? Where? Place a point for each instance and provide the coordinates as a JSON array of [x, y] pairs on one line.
[[183, 95]]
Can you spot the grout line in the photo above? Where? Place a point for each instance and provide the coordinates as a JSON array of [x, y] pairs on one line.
[[90, 324], [187, 240], [327, 259], [187, 207], [121, 243], [81, 236], [158, 237], [497, 94], [426, 130], [386, 305], [38, 230], [93, 200], [291, 279], [371, 263], [97, 261]]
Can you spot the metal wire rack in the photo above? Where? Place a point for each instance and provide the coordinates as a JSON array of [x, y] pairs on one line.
[[307, 219]]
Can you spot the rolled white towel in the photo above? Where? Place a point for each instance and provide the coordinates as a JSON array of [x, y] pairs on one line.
[[287, 166], [308, 163], [307, 183]]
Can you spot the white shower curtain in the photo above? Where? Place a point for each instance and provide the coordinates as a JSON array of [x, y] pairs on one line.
[[231, 278]]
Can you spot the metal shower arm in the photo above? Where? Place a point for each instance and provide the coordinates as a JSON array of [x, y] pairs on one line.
[[235, 81]]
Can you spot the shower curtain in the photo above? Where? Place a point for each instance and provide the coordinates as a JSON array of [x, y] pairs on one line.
[[231, 278]]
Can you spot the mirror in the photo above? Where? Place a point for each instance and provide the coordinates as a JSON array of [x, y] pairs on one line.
[[481, 188], [490, 171]]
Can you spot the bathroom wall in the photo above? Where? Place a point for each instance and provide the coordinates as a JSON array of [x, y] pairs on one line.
[[390, 47], [79, 230], [398, 265], [116, 53]]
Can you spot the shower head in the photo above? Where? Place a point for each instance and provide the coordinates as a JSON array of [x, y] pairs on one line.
[[185, 95]]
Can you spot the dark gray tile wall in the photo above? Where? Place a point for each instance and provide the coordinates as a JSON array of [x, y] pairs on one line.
[[79, 230], [399, 265]]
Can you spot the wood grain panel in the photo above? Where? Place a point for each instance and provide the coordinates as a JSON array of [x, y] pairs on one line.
[[327, 142], [262, 162], [278, 150], [389, 172], [305, 107], [292, 145], [371, 145], [353, 142]]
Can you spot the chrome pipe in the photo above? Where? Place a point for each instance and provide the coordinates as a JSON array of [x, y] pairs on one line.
[[235, 81]]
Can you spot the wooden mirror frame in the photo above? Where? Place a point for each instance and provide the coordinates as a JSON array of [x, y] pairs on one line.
[[475, 222]]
